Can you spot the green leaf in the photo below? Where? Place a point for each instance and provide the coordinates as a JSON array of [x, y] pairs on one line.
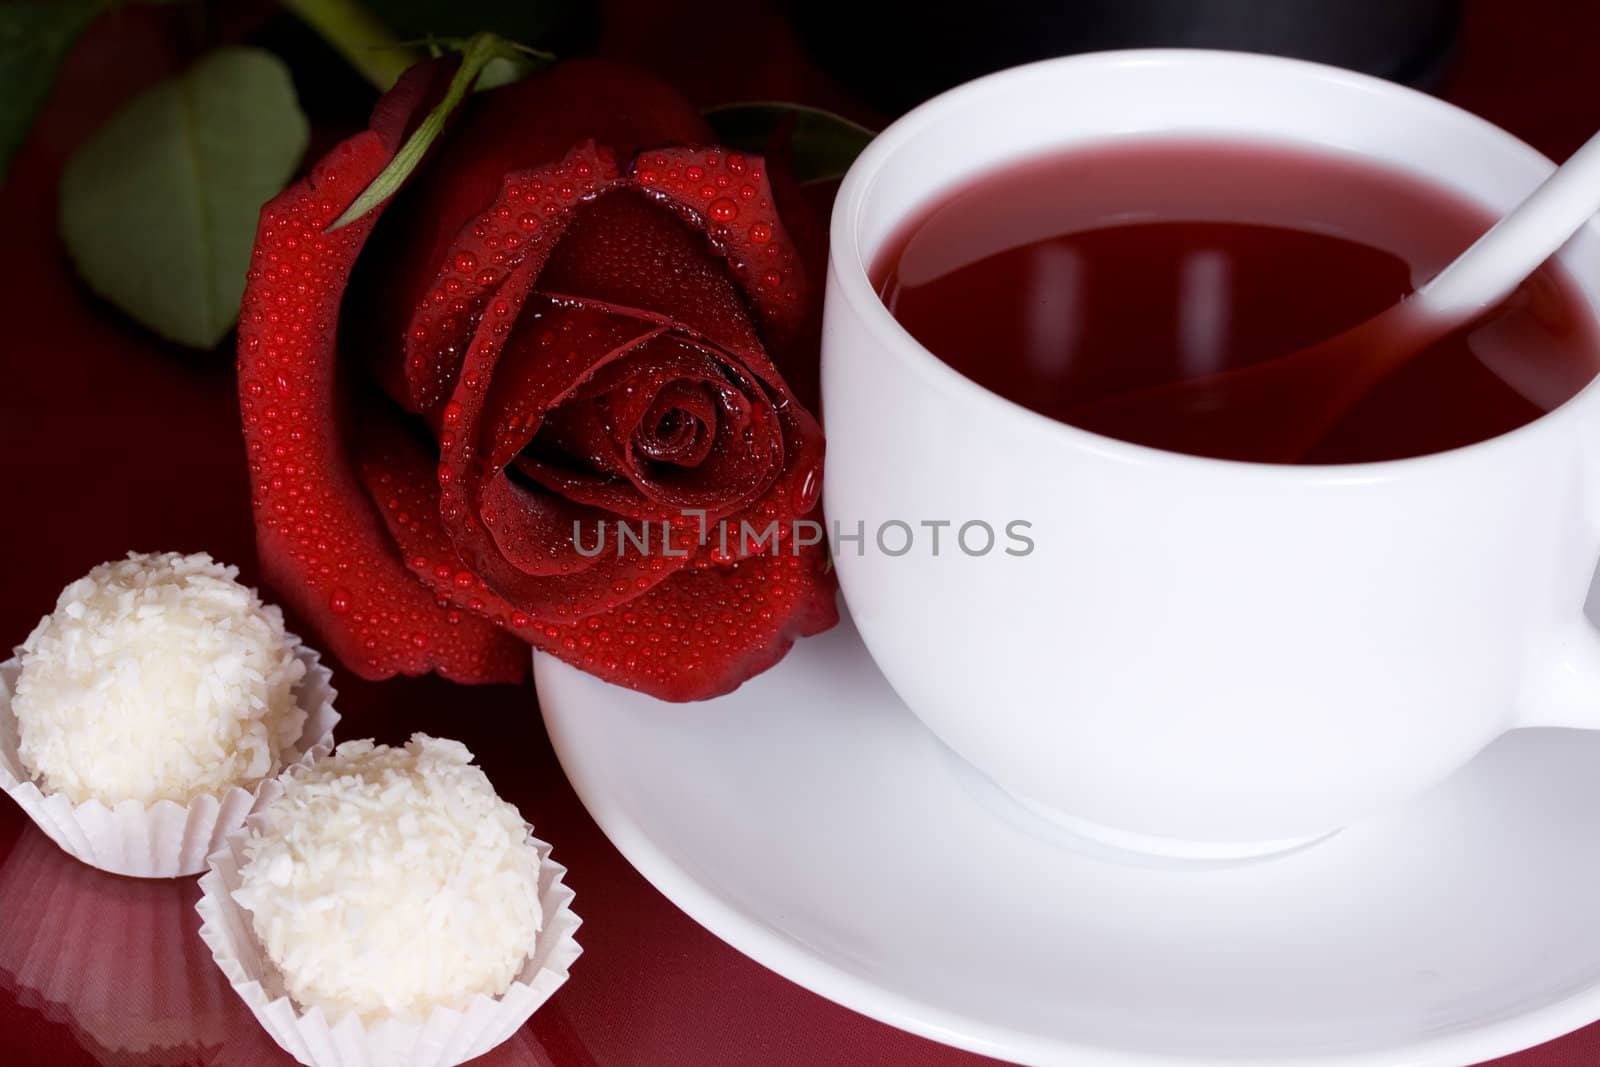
[[823, 144], [34, 39], [159, 206], [479, 50]]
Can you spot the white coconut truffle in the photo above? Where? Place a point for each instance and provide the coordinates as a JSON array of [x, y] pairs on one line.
[[387, 882], [157, 677]]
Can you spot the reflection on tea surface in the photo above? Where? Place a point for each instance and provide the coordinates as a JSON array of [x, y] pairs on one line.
[[1105, 271]]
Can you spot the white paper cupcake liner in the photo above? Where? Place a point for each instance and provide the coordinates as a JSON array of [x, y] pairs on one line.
[[116, 959], [249, 1046], [164, 839], [445, 1038]]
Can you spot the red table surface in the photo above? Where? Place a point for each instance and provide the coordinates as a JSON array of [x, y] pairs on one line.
[[111, 440]]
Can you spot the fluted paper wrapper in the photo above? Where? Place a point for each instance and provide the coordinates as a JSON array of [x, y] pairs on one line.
[[164, 839], [116, 959], [445, 1038], [249, 1046]]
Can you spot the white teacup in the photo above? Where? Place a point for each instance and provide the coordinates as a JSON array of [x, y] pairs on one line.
[[1198, 657]]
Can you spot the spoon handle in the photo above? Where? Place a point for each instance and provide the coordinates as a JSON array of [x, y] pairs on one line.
[[1496, 263]]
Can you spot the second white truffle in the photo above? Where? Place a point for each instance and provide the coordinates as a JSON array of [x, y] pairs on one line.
[[387, 882]]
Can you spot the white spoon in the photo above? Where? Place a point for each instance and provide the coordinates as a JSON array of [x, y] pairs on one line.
[[1277, 410]]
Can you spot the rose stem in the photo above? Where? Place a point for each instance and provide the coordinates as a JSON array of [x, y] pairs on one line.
[[357, 35]]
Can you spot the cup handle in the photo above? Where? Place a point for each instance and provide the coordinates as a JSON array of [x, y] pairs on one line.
[[1561, 686]]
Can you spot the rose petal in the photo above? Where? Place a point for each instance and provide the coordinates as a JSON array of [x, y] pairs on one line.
[[397, 470], [705, 632], [531, 357], [322, 546], [630, 251], [797, 451], [764, 263], [681, 424], [519, 518], [740, 461], [553, 351], [526, 125], [726, 195], [629, 255], [520, 228], [520, 539], [695, 637]]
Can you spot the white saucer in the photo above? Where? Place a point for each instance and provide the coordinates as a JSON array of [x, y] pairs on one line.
[[812, 823]]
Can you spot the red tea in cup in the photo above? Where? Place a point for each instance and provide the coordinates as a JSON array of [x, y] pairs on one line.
[[1097, 272]]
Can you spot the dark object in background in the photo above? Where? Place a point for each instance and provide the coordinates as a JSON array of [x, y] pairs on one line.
[[897, 53]]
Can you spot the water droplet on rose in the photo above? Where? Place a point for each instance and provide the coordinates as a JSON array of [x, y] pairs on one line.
[[805, 496]]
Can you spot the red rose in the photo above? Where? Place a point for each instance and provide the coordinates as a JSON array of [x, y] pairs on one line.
[[567, 320]]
